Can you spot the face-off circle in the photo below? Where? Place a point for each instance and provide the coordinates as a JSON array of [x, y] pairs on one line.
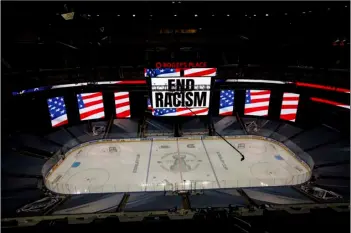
[[252, 148], [101, 150], [265, 173], [89, 180]]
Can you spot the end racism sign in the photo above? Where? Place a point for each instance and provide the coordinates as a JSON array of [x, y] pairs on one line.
[[181, 92]]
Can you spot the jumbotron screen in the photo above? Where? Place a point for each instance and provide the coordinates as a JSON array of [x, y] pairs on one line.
[[180, 96], [90, 106], [58, 112], [122, 104], [257, 102]]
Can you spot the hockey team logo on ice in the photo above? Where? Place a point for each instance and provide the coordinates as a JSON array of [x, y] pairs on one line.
[[181, 92]]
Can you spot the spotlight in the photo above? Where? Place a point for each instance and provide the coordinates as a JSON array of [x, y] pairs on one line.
[[68, 13], [68, 16], [267, 14], [228, 15], [133, 15], [195, 15], [254, 15], [175, 15]]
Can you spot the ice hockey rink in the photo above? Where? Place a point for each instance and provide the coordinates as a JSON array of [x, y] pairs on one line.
[[138, 165]]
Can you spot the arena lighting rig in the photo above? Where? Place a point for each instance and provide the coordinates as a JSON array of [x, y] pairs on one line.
[[68, 15]]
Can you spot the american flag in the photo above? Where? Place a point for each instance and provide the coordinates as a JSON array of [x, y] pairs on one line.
[[180, 111], [90, 106], [200, 72], [289, 106], [163, 72], [57, 109], [226, 103], [257, 102], [122, 104], [176, 111]]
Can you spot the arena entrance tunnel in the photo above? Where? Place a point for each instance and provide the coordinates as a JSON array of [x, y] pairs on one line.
[[174, 164]]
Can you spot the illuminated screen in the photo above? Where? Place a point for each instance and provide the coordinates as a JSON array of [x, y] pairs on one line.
[[178, 96], [257, 102], [90, 106], [176, 111], [200, 72], [289, 106], [226, 103], [122, 104], [57, 109], [162, 72]]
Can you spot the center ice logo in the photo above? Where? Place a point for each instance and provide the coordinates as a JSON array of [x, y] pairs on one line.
[[179, 162]]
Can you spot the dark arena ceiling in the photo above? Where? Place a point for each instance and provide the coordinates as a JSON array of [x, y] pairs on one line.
[[38, 41]]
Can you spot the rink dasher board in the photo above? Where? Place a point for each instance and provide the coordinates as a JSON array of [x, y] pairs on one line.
[[193, 138], [176, 139], [198, 140]]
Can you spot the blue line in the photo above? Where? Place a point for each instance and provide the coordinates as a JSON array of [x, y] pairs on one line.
[[148, 166], [214, 173]]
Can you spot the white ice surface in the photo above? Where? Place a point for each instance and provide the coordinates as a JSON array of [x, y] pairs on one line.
[[176, 164]]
